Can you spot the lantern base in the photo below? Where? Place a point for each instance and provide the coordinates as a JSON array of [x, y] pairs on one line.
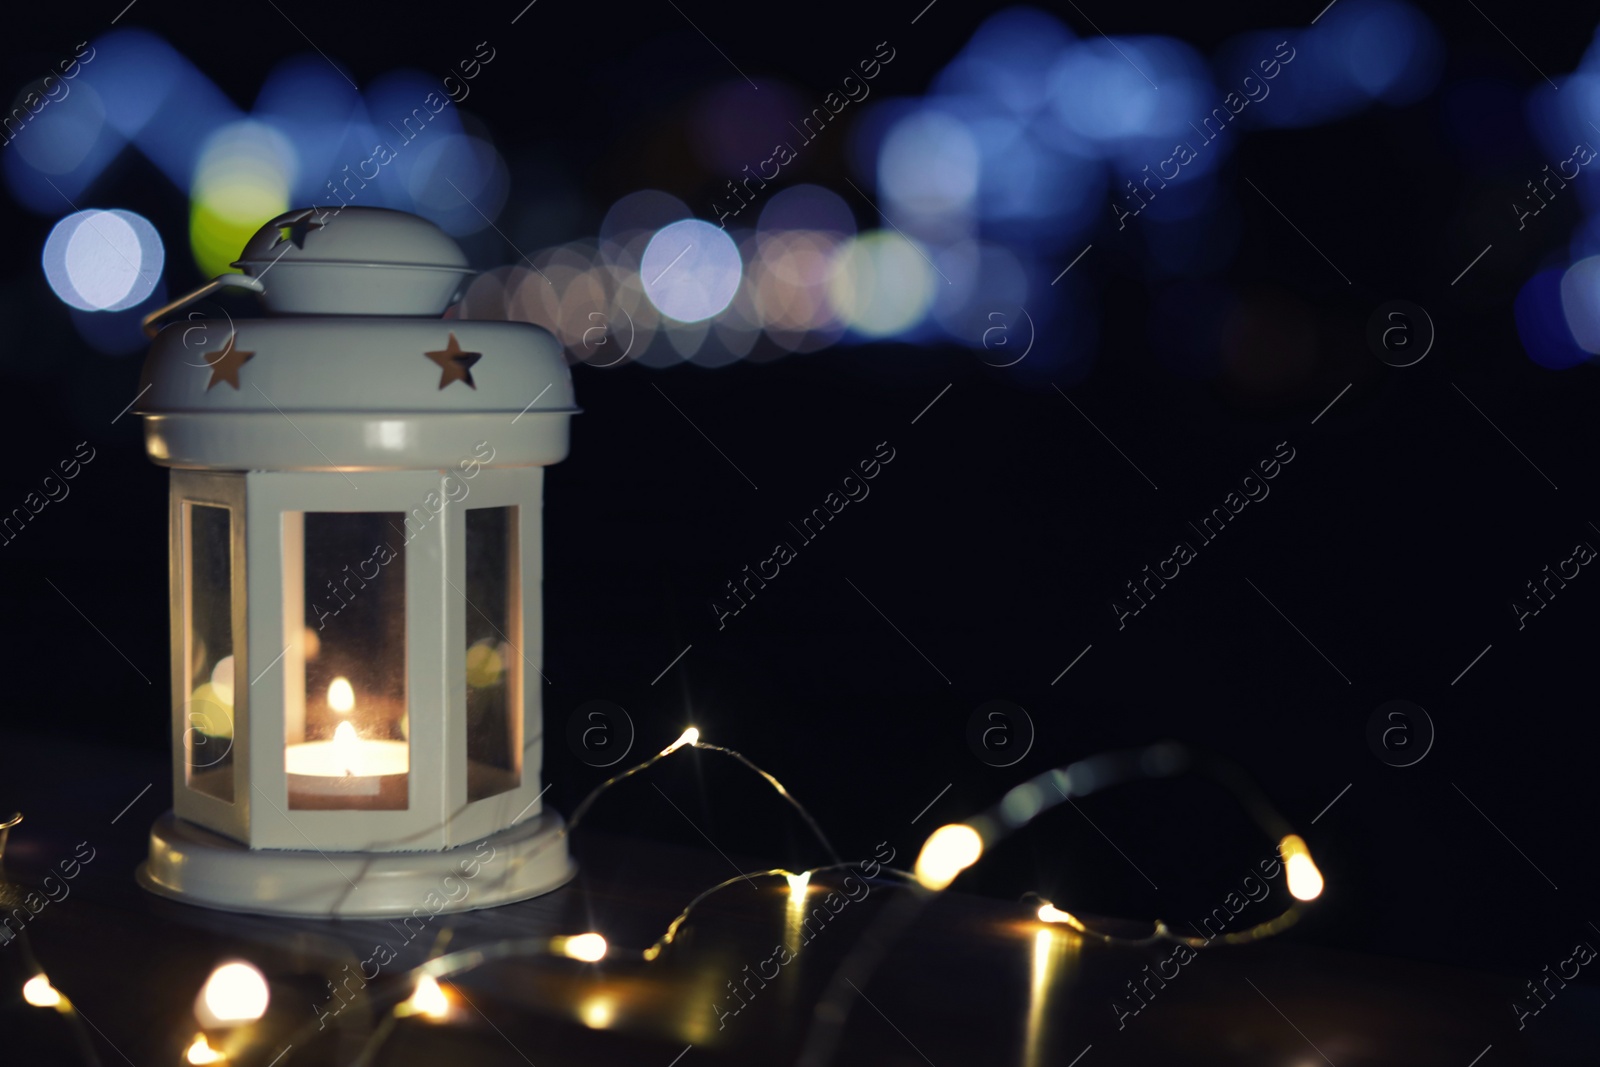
[[195, 865]]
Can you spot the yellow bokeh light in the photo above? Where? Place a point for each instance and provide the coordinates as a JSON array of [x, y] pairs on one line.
[[242, 179], [484, 665], [235, 993], [208, 713], [40, 993], [597, 1012], [882, 283], [200, 1052], [222, 680], [1305, 881], [341, 695], [949, 851]]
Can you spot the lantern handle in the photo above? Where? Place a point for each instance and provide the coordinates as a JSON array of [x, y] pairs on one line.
[[222, 281]]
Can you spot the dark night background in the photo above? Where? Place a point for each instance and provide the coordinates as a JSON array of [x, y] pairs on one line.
[[1005, 524]]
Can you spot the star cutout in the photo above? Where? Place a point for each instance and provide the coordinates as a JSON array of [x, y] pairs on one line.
[[296, 230], [454, 364], [225, 367]]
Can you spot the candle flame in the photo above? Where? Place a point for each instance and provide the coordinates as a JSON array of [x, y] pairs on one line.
[[341, 697], [347, 746]]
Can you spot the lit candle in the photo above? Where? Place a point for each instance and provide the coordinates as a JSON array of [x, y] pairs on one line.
[[346, 765], [348, 755]]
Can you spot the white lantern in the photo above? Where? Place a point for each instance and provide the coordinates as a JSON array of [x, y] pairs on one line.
[[356, 570]]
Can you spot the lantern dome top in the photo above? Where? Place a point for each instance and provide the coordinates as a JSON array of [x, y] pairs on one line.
[[361, 372], [353, 261]]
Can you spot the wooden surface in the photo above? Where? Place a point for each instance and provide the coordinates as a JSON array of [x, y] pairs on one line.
[[971, 980]]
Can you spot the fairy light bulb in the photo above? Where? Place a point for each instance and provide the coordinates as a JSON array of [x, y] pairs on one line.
[[797, 886], [1049, 913], [40, 993], [201, 1052], [235, 993], [590, 948], [1305, 881], [688, 737], [341, 695], [428, 999], [949, 851]]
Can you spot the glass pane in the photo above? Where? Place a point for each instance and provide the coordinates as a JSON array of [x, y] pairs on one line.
[[494, 659], [352, 749], [208, 612]]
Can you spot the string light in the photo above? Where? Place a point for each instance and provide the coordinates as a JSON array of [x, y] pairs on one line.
[[948, 851], [40, 993], [427, 999], [797, 886], [201, 1052], [235, 993], [590, 948], [951, 849], [1305, 881], [690, 736], [1049, 913]]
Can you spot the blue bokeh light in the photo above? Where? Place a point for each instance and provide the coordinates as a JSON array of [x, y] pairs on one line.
[[1542, 324]]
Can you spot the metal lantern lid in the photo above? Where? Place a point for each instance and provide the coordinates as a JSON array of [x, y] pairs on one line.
[[356, 370], [354, 261]]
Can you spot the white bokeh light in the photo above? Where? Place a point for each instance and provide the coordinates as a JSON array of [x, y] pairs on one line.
[[690, 270], [103, 260]]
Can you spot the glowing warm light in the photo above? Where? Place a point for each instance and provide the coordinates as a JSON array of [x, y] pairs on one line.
[[1305, 881], [597, 1012], [949, 851], [1049, 913], [797, 886], [485, 665], [202, 1052], [428, 999], [590, 948], [208, 713], [341, 697], [222, 680], [348, 753], [690, 736], [235, 993], [40, 993]]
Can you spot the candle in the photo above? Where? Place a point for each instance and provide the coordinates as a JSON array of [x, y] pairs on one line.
[[348, 754], [347, 770]]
